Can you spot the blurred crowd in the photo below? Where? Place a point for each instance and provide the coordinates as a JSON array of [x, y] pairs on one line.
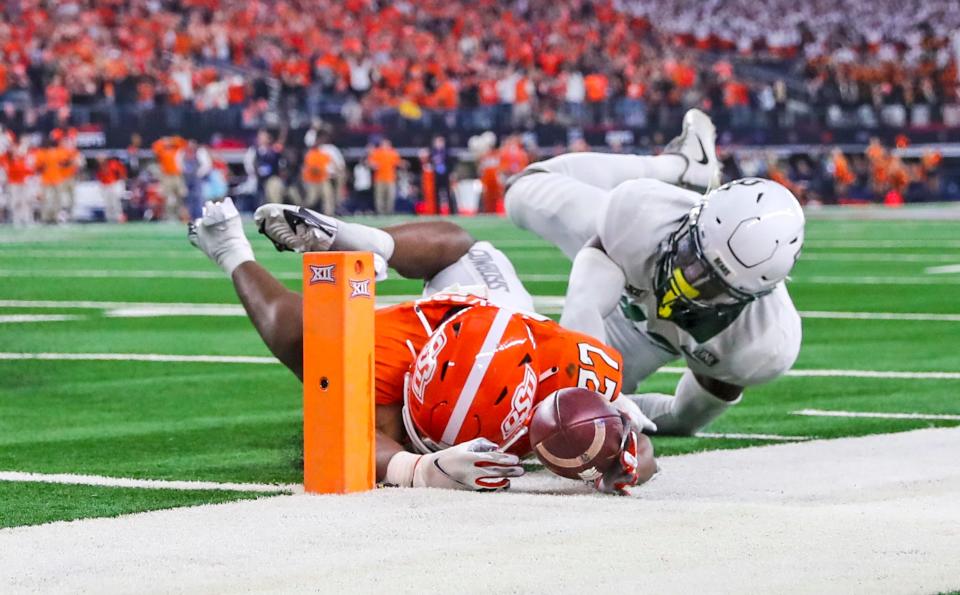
[[482, 64], [877, 175], [43, 179]]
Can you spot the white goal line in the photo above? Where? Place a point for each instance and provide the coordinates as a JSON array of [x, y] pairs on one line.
[[154, 484]]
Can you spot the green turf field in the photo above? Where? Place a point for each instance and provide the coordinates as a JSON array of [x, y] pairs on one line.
[[239, 422]]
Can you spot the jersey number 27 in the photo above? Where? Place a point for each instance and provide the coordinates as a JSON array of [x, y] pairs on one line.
[[591, 376]]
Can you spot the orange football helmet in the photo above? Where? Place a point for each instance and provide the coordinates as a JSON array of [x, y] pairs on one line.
[[475, 377]]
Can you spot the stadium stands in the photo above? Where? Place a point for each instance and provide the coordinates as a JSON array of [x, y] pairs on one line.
[[770, 72]]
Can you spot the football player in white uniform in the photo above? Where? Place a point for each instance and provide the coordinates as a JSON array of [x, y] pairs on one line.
[[662, 272]]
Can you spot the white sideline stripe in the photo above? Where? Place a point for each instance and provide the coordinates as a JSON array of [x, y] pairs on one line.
[[736, 436], [8, 318], [881, 316], [477, 372], [150, 484], [944, 270], [141, 357], [533, 277], [877, 257], [253, 359], [871, 280], [878, 415], [882, 243], [543, 304], [851, 374], [140, 274]]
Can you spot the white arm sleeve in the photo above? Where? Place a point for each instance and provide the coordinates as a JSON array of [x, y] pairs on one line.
[[596, 283]]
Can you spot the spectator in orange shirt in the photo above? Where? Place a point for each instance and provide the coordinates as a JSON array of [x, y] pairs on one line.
[[316, 180], [73, 161], [112, 176], [49, 163], [597, 87], [15, 165], [384, 160], [169, 151]]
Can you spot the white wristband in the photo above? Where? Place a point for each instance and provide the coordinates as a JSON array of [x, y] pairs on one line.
[[400, 469]]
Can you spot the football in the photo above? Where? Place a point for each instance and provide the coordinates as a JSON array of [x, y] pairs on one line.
[[576, 433]]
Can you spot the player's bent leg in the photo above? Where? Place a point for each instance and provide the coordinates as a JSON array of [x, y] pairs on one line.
[[556, 207], [689, 411], [415, 250], [606, 171], [487, 267], [642, 356]]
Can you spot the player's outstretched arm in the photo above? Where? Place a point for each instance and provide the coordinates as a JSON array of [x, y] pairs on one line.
[[417, 250], [593, 291], [275, 311]]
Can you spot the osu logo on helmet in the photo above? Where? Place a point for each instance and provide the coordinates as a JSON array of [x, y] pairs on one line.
[[423, 368], [478, 380]]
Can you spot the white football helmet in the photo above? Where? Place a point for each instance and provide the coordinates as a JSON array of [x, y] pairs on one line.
[[735, 246]]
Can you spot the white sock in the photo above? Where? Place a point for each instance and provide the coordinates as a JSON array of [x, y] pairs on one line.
[[354, 236]]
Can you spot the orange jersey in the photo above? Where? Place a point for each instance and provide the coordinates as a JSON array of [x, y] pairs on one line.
[[316, 166], [70, 163], [16, 168], [49, 163], [166, 150], [385, 162], [566, 358], [111, 171]]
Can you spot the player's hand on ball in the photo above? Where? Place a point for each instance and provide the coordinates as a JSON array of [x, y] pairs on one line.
[[623, 475], [219, 235], [473, 465]]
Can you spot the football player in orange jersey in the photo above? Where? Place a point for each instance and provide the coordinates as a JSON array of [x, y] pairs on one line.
[[490, 342]]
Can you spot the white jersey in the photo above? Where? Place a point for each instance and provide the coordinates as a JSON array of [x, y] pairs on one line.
[[758, 345]]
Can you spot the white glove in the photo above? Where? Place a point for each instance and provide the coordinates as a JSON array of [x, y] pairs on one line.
[[219, 234], [473, 465], [632, 411]]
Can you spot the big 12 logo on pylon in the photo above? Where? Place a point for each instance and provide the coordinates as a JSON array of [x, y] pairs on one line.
[[322, 273]]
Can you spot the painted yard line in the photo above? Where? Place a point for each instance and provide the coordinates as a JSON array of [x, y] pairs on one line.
[[943, 270], [877, 415], [557, 278], [881, 316], [877, 257], [251, 359], [134, 274], [736, 436], [141, 357], [543, 304], [881, 243], [15, 318], [852, 374], [150, 484], [88, 253], [844, 280]]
